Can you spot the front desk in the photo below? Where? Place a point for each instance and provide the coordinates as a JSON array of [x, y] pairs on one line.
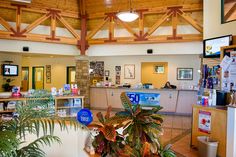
[[172, 100]]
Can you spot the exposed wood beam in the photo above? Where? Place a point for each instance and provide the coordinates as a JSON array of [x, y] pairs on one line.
[[53, 15], [191, 21], [174, 11], [39, 38], [126, 26], [36, 23], [111, 28], [158, 23], [5, 24], [93, 32], [68, 27], [156, 10], [153, 39]]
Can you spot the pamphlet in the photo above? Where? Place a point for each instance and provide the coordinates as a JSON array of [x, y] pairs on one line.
[[225, 63]]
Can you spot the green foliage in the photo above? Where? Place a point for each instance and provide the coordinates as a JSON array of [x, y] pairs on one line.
[[142, 129], [35, 117]]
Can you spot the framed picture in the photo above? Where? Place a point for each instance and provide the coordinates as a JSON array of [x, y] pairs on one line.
[[48, 73], [107, 72], [184, 73], [228, 11], [159, 69], [118, 68], [129, 71]]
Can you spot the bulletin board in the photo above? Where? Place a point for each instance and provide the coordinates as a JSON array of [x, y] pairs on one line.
[[228, 68]]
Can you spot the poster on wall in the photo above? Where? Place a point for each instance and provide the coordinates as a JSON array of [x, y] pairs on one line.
[[204, 121], [97, 68], [129, 71], [228, 66], [118, 73], [144, 99], [48, 73]]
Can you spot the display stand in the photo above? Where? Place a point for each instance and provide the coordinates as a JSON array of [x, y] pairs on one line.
[[59, 102], [231, 132]]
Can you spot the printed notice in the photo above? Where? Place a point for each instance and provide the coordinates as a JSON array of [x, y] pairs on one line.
[[204, 121]]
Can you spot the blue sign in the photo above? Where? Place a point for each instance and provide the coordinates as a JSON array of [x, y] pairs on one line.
[[144, 99], [85, 116]]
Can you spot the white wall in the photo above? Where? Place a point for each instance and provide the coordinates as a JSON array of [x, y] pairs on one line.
[[212, 20], [141, 49], [174, 61]]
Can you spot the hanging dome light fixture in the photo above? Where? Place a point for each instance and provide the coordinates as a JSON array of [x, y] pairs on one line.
[[128, 16]]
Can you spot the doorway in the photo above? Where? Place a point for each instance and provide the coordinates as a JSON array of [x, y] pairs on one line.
[[38, 78], [70, 75], [25, 78], [155, 73]]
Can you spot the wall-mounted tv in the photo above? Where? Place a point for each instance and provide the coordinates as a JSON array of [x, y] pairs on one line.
[[9, 70], [211, 47]]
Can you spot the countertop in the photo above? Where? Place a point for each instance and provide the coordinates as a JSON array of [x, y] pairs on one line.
[[163, 89]]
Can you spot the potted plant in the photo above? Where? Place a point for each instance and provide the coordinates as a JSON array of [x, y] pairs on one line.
[[141, 131], [6, 86], [32, 118]]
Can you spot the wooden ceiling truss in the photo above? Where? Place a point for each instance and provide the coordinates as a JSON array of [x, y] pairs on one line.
[[173, 13], [83, 40]]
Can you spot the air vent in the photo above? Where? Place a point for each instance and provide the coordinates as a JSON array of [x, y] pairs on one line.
[[22, 1]]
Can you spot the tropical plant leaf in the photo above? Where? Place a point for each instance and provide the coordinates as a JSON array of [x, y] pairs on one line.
[[116, 120], [108, 112], [109, 132], [126, 102], [100, 117], [146, 149]]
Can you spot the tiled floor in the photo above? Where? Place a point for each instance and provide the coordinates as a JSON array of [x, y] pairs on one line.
[[176, 132]]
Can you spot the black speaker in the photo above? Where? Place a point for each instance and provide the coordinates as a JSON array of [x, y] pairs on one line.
[[25, 48], [149, 51]]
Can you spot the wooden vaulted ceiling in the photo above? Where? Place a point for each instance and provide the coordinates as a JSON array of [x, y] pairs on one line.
[[95, 9], [93, 16]]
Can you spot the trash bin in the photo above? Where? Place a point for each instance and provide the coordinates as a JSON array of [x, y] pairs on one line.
[[207, 147]]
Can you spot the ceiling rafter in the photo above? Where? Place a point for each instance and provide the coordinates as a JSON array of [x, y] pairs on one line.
[[82, 39]]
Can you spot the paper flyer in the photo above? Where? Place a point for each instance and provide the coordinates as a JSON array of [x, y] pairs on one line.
[[204, 121]]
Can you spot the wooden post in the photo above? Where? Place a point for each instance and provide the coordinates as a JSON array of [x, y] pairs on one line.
[[83, 43]]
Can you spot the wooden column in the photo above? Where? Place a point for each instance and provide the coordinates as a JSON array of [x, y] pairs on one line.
[[83, 43]]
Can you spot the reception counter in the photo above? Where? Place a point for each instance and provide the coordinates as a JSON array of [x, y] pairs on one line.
[[172, 100]]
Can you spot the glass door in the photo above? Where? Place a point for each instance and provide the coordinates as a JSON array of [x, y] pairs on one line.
[[38, 78], [70, 78], [25, 78]]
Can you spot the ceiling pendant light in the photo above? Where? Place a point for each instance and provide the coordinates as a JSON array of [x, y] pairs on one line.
[[128, 16]]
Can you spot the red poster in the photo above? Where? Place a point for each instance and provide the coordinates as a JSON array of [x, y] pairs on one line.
[[204, 121]]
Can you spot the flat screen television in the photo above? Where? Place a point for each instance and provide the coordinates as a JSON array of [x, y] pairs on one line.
[[9, 70], [211, 47]]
